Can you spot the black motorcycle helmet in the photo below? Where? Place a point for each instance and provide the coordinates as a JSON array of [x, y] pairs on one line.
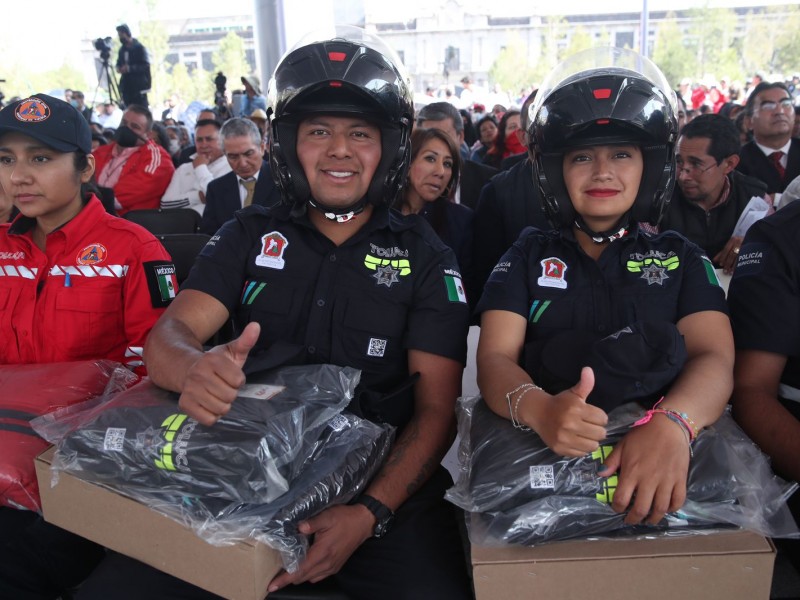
[[352, 73], [604, 96]]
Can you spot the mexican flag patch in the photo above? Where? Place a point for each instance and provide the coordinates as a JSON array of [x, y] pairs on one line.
[[162, 281], [455, 289]]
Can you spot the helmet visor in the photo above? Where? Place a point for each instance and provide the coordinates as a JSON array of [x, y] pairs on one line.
[[601, 60]]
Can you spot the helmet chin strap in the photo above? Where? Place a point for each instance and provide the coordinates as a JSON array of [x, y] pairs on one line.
[[619, 231], [339, 215]]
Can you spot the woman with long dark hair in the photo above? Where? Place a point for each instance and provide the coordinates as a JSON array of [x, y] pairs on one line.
[[429, 192]]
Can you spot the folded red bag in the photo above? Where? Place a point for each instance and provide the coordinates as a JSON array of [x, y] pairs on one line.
[[28, 392]]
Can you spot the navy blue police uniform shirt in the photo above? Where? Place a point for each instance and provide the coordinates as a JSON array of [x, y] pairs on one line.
[[546, 278], [764, 295], [392, 287]]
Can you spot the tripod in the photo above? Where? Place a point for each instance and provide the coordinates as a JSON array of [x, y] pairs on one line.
[[107, 73]]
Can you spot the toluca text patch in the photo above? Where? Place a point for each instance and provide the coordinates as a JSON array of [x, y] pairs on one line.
[[388, 264], [162, 281]]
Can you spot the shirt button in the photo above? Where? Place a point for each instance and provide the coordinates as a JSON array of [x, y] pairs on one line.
[[599, 283], [320, 303], [312, 349], [601, 328], [332, 258]]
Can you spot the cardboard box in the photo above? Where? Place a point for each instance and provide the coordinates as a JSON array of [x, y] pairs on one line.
[[238, 572], [727, 564]]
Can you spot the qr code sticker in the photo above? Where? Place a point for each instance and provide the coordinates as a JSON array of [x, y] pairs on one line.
[[114, 440], [542, 477], [338, 423], [377, 347]]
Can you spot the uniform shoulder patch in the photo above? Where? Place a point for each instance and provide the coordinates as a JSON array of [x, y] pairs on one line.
[[454, 286], [162, 281]]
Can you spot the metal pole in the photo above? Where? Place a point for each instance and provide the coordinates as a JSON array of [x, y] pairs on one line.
[[644, 26], [270, 36]]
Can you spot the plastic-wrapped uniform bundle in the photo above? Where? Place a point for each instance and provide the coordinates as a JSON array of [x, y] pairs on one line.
[[286, 433], [343, 461], [522, 492], [139, 438]]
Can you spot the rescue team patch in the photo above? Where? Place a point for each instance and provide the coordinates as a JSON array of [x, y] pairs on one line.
[[93, 254], [752, 258], [273, 245], [554, 272], [454, 285], [32, 110], [161, 281]]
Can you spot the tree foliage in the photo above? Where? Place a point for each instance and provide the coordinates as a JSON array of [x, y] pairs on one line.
[[511, 69], [670, 53], [230, 59]]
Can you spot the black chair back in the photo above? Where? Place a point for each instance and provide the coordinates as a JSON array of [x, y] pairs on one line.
[[160, 221], [183, 248]]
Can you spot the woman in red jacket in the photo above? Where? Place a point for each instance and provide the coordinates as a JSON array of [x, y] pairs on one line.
[[75, 284]]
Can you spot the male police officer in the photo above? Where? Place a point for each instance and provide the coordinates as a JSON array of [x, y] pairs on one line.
[[330, 276]]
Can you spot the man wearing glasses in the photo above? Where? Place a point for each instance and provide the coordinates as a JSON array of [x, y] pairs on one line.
[[773, 156], [710, 194]]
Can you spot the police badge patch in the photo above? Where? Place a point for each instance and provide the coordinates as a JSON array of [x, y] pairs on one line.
[[273, 245]]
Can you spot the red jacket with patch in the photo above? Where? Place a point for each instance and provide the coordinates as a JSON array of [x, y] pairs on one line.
[[91, 295], [144, 178]]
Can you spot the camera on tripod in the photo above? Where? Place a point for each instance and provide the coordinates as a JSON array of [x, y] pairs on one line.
[[103, 46], [220, 101]]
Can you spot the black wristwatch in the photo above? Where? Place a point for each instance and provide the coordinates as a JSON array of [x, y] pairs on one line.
[[383, 514]]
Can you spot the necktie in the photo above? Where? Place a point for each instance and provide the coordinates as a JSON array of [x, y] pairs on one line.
[[250, 186], [776, 157]]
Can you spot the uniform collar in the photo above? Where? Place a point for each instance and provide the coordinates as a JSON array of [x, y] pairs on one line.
[[77, 227], [380, 218]]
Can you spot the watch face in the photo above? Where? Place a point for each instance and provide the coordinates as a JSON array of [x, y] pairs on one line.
[[383, 526]]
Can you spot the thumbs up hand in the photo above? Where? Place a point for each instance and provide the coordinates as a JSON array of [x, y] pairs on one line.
[[213, 381], [565, 422]]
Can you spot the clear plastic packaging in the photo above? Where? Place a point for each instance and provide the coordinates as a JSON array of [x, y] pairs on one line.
[[284, 452], [39, 389], [521, 492]]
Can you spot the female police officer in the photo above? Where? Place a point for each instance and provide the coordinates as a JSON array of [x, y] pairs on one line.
[[603, 128]]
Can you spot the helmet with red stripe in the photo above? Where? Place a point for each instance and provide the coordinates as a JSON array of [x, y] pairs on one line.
[[597, 97], [351, 73]]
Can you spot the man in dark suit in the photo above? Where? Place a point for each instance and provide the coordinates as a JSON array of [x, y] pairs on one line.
[[250, 181], [773, 156], [710, 195], [446, 118]]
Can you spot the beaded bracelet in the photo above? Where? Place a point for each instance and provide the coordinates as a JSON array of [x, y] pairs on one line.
[[681, 418], [674, 419]]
